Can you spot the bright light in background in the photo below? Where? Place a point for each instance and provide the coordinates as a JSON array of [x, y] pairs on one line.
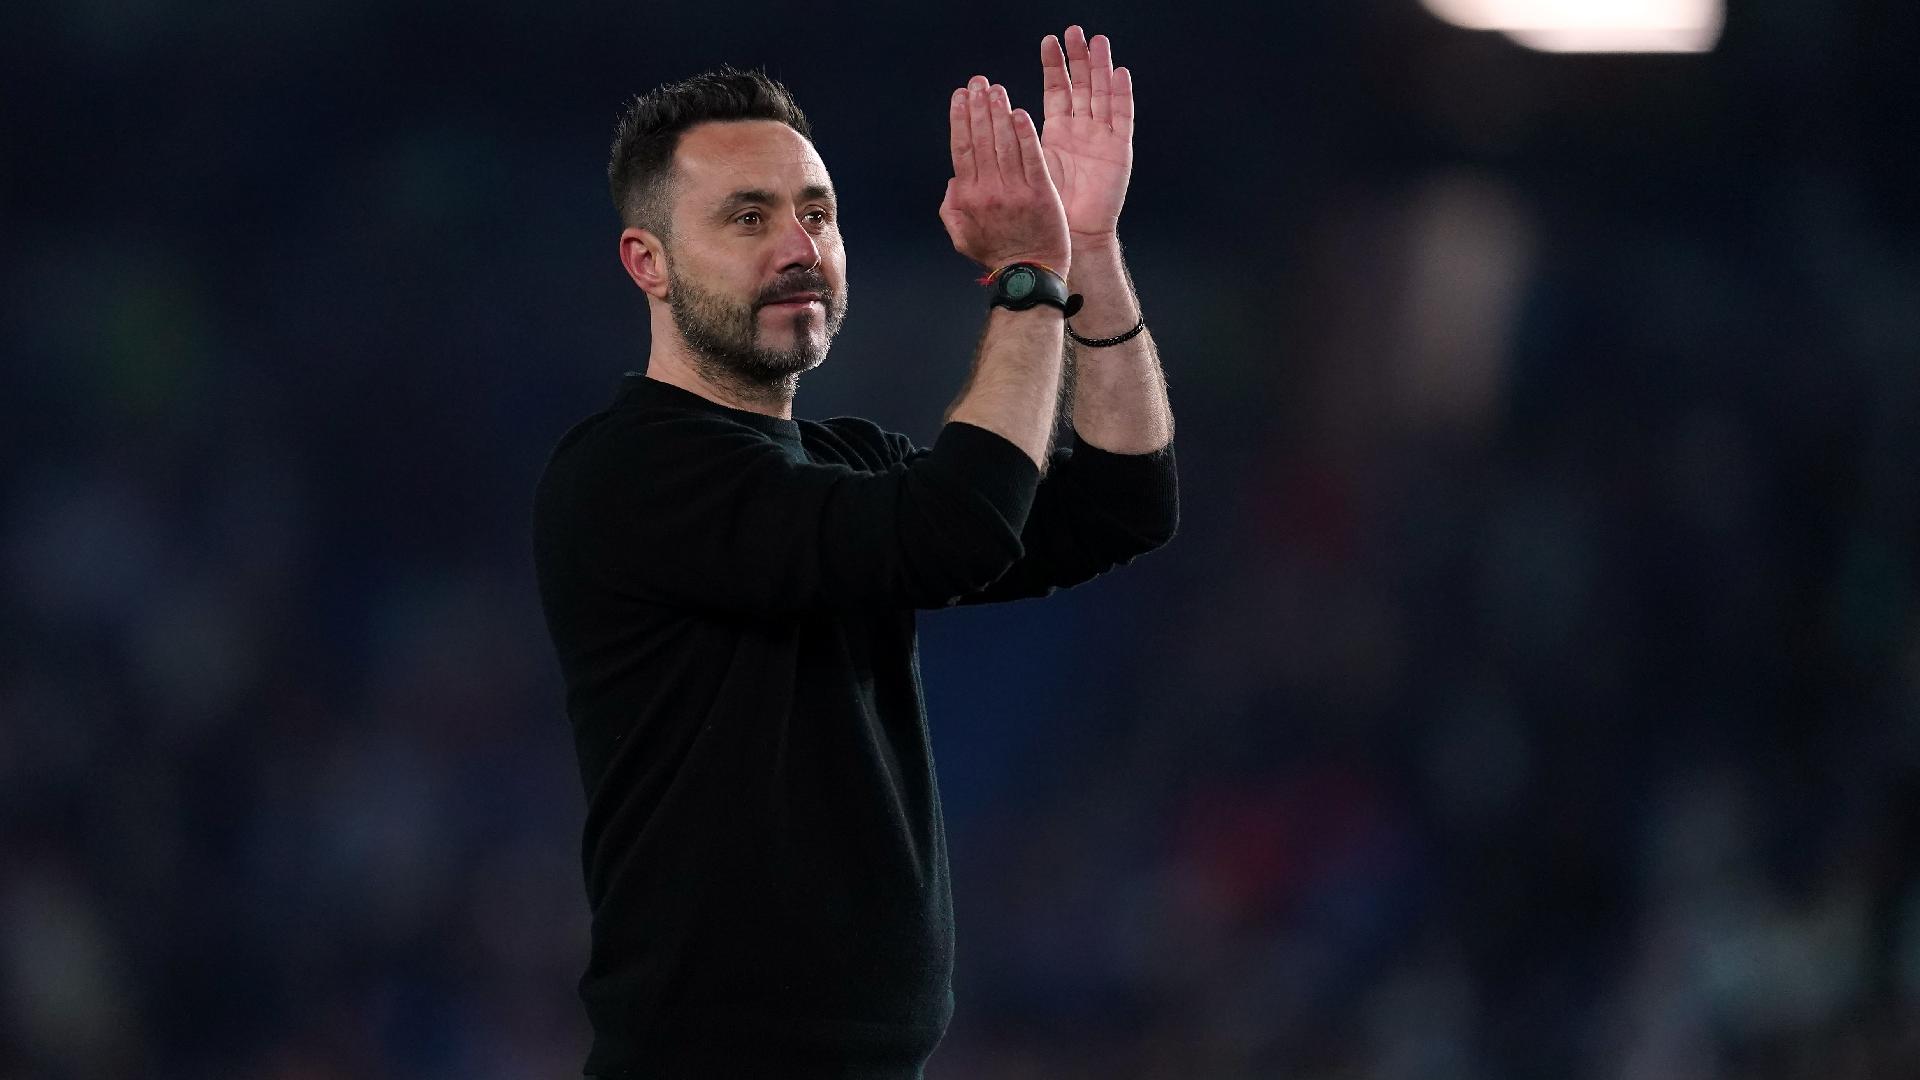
[[1593, 25]]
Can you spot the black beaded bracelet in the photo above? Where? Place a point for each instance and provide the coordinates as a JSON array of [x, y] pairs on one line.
[[1102, 342]]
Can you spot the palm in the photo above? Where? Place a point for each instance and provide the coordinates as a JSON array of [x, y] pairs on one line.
[[1088, 136]]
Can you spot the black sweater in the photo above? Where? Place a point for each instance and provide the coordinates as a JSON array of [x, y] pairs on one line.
[[732, 598]]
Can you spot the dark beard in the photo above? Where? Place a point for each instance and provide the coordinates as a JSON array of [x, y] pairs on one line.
[[724, 336]]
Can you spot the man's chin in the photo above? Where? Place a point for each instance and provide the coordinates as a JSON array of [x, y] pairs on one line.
[[800, 364], [804, 356], [769, 367]]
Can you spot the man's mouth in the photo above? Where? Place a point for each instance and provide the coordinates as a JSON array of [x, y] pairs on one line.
[[795, 301]]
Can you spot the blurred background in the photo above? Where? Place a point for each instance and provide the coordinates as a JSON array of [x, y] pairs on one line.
[[1533, 688]]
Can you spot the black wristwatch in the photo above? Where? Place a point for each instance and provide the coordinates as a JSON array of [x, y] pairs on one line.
[[1019, 286]]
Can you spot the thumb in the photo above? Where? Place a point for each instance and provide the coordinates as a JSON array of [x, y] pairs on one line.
[[949, 214]]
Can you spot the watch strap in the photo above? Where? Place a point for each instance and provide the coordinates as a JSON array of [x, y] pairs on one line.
[[1031, 284]]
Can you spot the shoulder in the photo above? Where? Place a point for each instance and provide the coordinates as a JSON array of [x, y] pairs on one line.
[[657, 446], [661, 428], [856, 441]]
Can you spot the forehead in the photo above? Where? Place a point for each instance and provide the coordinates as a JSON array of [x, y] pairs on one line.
[[722, 156]]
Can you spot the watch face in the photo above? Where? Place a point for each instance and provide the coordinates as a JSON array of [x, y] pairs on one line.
[[1019, 282]]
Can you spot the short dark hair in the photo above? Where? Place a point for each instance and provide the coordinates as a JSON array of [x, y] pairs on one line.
[[638, 173]]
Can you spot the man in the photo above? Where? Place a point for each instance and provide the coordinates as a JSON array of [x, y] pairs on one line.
[[732, 592]]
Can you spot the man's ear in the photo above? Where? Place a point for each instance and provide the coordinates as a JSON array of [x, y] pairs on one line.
[[645, 258]]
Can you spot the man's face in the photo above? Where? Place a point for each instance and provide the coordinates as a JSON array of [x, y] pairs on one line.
[[756, 273]]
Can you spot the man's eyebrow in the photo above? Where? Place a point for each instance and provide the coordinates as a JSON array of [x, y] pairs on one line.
[[757, 195], [745, 196]]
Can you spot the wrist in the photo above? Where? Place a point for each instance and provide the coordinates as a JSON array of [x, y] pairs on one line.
[[1059, 263], [1098, 264], [1046, 312], [1021, 285], [1105, 323], [1094, 242], [1100, 276]]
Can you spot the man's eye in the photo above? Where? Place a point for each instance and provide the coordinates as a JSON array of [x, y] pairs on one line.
[[754, 214], [819, 217]]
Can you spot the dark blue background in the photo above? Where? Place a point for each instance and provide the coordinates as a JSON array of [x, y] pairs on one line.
[[1533, 687]]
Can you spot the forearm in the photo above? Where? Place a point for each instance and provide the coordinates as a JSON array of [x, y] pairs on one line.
[[1119, 391], [1014, 390]]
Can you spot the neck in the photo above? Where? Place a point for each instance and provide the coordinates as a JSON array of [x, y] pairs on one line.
[[673, 362]]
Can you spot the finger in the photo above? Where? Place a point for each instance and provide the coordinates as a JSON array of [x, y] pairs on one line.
[[1032, 161], [1055, 99], [1005, 145], [1077, 73], [1101, 61], [986, 161], [960, 135], [1123, 103]]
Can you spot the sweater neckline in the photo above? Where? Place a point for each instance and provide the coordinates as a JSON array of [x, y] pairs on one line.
[[637, 386]]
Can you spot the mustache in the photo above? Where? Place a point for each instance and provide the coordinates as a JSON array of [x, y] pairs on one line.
[[805, 281]]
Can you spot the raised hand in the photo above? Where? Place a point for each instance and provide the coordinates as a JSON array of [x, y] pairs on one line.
[[1088, 135], [1001, 206]]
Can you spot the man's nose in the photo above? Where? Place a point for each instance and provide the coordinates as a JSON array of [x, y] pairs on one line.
[[797, 246]]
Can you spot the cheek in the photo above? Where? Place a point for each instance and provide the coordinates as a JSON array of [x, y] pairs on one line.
[[834, 256], [721, 270]]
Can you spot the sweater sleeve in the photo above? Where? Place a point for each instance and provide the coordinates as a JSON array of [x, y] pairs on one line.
[[702, 513], [1095, 510]]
